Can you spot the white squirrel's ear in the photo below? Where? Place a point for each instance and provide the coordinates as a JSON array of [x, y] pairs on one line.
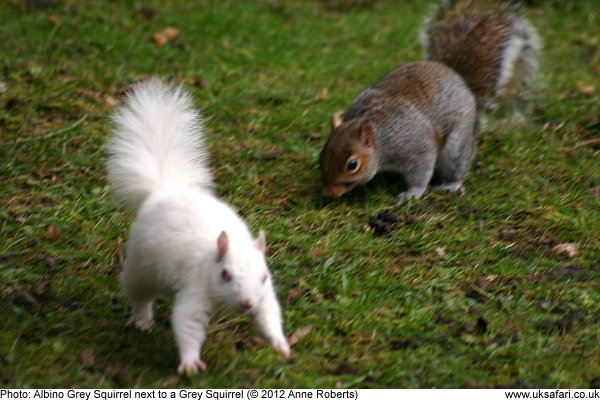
[[222, 246], [261, 241], [336, 119]]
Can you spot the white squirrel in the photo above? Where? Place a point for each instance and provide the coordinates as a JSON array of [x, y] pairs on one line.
[[184, 242]]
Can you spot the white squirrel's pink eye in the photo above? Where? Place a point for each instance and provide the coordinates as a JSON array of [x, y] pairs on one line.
[[226, 276], [264, 278]]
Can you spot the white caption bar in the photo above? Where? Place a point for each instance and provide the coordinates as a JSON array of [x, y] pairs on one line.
[[276, 394]]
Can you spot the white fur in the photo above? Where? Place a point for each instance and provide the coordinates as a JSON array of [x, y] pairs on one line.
[[531, 49], [158, 142], [157, 159], [523, 46], [510, 55]]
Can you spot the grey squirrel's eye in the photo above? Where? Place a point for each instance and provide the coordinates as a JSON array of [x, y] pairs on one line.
[[226, 276], [352, 165]]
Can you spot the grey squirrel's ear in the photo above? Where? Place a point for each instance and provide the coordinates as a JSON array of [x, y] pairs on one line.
[[365, 133], [336, 119], [222, 246], [261, 241]]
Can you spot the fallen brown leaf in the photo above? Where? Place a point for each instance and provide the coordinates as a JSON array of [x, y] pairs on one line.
[[257, 341], [294, 294], [171, 32], [54, 19], [299, 334], [585, 87], [24, 297], [52, 233], [593, 141], [159, 39], [169, 382], [41, 172], [147, 12], [594, 191], [97, 97], [362, 338], [250, 374], [440, 251], [117, 372], [168, 34], [323, 93], [88, 357], [565, 249], [111, 101], [195, 81]]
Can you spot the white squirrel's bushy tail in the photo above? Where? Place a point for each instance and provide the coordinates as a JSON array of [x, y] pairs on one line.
[[158, 142]]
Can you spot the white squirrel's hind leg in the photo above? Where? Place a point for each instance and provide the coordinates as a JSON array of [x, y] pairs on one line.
[[142, 316], [267, 320]]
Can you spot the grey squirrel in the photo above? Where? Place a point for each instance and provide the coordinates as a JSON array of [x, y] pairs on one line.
[[184, 242], [421, 119]]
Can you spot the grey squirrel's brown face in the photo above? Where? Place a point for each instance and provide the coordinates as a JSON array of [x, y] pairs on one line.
[[347, 160]]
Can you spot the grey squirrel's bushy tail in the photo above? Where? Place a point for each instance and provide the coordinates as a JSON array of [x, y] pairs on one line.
[[158, 142], [490, 44]]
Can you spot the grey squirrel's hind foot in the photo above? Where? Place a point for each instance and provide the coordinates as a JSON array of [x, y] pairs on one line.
[[452, 187], [414, 193]]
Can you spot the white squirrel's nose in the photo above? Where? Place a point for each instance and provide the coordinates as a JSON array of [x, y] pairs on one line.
[[247, 304]]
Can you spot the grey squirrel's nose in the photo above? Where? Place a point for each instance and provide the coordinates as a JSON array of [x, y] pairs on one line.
[[247, 304], [332, 191]]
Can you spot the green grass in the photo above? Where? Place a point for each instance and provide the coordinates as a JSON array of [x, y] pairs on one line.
[[498, 309]]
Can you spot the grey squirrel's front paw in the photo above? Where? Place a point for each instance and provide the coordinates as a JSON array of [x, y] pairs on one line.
[[191, 367], [412, 193], [453, 187]]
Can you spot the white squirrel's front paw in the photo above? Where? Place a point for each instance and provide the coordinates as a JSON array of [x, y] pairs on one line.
[[281, 346], [191, 367]]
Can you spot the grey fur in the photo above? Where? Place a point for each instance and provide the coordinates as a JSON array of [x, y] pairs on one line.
[[406, 133], [423, 116]]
